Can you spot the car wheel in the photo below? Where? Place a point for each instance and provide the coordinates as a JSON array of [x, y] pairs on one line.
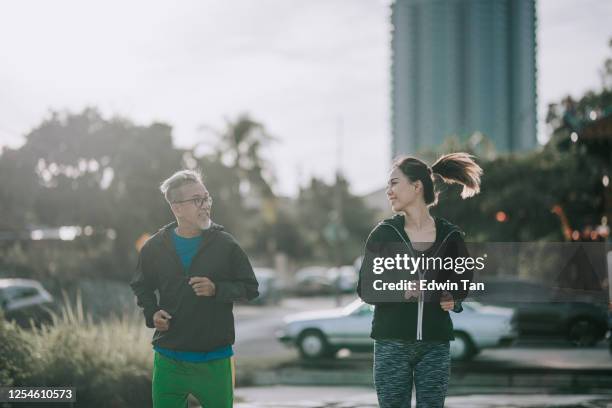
[[312, 344], [462, 348], [583, 333]]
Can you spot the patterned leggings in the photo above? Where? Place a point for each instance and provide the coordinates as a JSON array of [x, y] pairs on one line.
[[398, 362]]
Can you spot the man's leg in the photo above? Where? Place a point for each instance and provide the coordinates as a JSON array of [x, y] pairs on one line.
[[233, 372], [169, 388], [211, 383]]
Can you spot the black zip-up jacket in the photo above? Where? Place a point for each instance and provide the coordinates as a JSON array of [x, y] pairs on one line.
[[424, 319], [198, 323]]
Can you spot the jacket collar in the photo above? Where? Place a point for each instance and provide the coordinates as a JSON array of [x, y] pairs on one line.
[[166, 233], [443, 227]]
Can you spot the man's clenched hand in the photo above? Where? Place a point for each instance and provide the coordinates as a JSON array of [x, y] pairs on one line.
[[161, 320], [202, 286]]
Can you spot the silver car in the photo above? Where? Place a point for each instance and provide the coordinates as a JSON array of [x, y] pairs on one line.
[[322, 333]]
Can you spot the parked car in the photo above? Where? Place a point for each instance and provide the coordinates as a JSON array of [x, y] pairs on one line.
[[323, 280], [610, 326], [314, 280], [269, 287], [321, 334], [23, 300], [344, 278], [544, 311], [609, 262]]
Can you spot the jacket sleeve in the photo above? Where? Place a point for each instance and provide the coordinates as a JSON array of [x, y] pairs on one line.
[[144, 285], [459, 250], [366, 268], [241, 284]]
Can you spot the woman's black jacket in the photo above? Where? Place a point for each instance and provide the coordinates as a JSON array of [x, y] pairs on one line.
[[395, 317]]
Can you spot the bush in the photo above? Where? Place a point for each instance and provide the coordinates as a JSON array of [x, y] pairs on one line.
[[15, 354], [108, 363]]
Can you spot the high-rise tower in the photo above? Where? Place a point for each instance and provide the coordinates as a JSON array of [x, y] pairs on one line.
[[461, 66]]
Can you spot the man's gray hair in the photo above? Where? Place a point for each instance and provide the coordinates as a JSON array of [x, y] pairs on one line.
[[177, 180]]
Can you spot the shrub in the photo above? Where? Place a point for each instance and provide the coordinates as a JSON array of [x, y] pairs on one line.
[[108, 363], [15, 354]]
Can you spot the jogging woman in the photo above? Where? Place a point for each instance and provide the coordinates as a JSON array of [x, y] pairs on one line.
[[412, 335]]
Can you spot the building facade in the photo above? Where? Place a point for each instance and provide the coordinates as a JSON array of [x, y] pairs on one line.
[[463, 66]]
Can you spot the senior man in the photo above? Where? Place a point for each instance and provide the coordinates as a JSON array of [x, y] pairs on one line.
[[198, 270]]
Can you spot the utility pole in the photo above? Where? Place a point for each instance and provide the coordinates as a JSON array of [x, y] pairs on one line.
[[338, 210]]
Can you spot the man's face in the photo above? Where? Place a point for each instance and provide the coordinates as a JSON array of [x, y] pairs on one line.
[[192, 205]]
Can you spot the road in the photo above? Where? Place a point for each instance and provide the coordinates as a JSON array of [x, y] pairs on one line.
[[526, 375], [256, 327], [362, 397]]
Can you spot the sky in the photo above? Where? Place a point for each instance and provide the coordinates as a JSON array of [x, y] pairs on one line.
[[314, 72]]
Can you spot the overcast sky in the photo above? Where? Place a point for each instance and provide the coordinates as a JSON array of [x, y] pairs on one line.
[[313, 71]]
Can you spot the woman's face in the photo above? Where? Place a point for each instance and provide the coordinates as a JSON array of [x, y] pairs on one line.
[[402, 192]]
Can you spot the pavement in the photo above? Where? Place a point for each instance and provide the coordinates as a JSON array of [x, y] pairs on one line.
[[363, 397]]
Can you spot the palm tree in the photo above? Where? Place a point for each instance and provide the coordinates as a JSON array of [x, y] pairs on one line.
[[240, 145]]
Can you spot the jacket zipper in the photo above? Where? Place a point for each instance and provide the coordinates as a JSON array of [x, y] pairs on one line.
[[184, 274], [421, 276]]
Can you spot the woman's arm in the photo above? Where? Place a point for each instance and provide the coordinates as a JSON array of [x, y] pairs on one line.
[[457, 249], [366, 274]]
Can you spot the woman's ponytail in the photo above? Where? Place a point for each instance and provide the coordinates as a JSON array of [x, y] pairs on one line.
[[459, 168]]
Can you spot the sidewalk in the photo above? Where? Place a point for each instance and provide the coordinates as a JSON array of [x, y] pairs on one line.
[[361, 397]]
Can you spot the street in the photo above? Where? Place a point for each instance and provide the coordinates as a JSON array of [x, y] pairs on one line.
[[256, 327], [359, 397], [527, 368]]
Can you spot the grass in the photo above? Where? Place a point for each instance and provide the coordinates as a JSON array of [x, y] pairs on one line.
[[109, 363]]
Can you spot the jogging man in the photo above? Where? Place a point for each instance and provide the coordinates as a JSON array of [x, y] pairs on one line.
[[198, 271]]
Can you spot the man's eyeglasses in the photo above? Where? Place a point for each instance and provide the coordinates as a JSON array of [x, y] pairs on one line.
[[198, 201]]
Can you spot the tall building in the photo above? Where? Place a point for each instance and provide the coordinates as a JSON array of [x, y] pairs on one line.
[[462, 66]]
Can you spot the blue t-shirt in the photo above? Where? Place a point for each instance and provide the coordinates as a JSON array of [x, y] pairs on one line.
[[186, 248]]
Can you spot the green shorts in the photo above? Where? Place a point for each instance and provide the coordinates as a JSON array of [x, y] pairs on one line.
[[210, 382]]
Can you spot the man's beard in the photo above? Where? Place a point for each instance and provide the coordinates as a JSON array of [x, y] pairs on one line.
[[203, 221]]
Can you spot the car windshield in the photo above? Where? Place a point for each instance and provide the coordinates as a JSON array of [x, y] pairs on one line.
[[352, 307]]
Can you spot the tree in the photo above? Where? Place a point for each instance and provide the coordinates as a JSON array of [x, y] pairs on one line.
[[240, 147], [523, 193], [317, 210], [82, 169]]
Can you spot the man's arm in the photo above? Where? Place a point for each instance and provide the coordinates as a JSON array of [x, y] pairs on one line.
[[242, 284], [144, 284]]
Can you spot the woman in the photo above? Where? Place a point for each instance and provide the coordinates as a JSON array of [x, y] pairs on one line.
[[412, 335]]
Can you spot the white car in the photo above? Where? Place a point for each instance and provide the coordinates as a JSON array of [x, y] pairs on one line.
[[23, 300], [322, 333]]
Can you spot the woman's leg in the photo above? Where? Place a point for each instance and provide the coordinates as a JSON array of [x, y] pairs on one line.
[[392, 373], [431, 374]]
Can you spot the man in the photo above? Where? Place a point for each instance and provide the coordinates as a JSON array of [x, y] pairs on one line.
[[199, 270]]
